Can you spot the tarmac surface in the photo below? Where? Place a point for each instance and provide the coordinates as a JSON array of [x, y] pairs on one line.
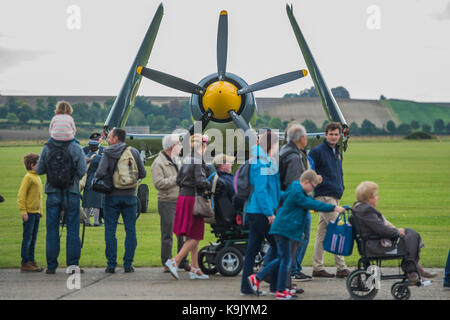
[[153, 284]]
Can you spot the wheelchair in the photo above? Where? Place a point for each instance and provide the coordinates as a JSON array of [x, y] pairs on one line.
[[226, 256], [363, 283]]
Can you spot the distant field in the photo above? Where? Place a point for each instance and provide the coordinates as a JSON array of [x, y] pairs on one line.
[[414, 180], [425, 113]]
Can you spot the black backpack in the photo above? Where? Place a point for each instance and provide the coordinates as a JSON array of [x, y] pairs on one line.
[[60, 166]]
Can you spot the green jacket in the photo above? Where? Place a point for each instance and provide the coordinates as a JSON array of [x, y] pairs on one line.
[[290, 219]]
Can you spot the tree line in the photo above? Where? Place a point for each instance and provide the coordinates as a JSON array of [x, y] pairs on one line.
[[20, 112], [176, 114], [338, 92], [367, 128]]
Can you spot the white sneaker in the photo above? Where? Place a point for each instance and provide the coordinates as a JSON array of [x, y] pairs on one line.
[[194, 275], [260, 294], [172, 265]]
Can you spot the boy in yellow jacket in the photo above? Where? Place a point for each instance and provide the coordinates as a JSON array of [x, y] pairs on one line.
[[29, 201]]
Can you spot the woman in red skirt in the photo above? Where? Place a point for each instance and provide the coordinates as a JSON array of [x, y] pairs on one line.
[[192, 180]]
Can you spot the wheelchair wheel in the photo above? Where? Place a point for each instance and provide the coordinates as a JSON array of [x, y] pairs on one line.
[[229, 261], [205, 258], [400, 291], [357, 285]]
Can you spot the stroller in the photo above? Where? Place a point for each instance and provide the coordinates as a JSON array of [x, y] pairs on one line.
[[226, 256]]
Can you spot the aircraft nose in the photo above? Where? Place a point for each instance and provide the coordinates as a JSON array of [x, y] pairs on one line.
[[221, 97]]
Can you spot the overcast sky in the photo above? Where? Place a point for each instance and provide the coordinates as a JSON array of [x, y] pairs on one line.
[[407, 57]]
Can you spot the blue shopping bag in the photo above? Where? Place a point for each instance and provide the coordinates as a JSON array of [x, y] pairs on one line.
[[339, 237]]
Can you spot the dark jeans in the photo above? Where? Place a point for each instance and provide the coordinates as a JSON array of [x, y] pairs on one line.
[[298, 258], [447, 271], [30, 231], [114, 206], [72, 221], [259, 229], [167, 214], [282, 263]]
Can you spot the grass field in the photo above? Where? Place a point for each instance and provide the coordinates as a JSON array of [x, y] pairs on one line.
[[425, 113], [414, 180]]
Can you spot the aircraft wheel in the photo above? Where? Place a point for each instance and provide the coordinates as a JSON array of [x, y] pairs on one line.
[[142, 195]]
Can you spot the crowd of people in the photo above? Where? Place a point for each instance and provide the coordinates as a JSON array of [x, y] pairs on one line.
[[278, 208], [69, 169]]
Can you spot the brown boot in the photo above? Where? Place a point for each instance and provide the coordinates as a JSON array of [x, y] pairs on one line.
[[425, 274], [28, 267], [322, 274], [413, 278], [343, 273], [37, 266]]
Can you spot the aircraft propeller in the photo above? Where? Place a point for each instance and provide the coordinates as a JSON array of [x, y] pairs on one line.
[[222, 48]]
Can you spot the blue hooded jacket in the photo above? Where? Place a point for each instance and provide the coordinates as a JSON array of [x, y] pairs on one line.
[[290, 219], [265, 179]]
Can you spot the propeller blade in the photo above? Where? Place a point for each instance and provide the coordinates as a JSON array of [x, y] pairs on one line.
[[205, 118], [241, 124], [222, 45], [170, 81], [328, 102], [274, 81], [238, 121], [121, 108]]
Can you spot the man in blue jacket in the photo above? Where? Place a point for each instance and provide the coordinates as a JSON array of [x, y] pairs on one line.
[[67, 200], [328, 163]]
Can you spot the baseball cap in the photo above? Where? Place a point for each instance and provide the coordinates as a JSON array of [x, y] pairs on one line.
[[95, 136]]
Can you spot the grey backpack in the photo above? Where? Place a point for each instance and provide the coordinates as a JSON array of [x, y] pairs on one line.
[[242, 187]]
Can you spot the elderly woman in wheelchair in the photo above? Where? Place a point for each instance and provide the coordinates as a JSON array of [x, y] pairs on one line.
[[382, 238], [379, 240]]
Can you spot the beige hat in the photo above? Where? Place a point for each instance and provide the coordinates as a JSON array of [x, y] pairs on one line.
[[222, 158]]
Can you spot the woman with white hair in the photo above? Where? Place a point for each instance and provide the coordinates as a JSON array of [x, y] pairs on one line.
[[372, 222], [164, 174]]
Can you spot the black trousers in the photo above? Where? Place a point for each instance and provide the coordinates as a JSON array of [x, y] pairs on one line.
[[411, 244]]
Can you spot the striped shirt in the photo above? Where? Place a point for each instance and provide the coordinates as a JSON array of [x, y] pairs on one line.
[[62, 127]]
